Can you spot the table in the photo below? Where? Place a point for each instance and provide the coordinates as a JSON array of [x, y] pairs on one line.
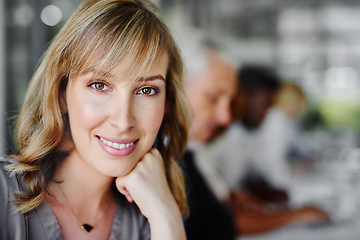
[[345, 231], [337, 191]]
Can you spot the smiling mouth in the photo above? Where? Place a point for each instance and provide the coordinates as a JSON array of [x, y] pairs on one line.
[[116, 145]]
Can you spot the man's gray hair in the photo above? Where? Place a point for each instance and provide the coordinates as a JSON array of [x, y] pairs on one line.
[[195, 46]]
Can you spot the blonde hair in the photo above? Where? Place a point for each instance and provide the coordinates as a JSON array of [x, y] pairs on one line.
[[291, 99], [106, 34]]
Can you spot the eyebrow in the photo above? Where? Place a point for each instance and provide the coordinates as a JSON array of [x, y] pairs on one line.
[[142, 79], [152, 78]]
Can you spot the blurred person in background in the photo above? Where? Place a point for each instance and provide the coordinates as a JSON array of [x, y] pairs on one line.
[[251, 214], [210, 84], [258, 86], [278, 135], [239, 167]]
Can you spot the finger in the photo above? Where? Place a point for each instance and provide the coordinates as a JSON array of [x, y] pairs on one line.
[[122, 189], [127, 195]]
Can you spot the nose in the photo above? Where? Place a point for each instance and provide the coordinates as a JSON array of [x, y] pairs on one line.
[[121, 114], [223, 114]]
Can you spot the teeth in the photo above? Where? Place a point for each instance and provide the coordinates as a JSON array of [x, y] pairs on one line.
[[116, 145]]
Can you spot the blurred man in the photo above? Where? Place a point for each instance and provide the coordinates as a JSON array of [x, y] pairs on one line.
[[258, 86], [210, 84]]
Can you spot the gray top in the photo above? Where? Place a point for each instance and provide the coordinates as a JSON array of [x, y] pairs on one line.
[[41, 223]]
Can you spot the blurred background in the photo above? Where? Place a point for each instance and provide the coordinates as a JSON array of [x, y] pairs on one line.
[[313, 43]]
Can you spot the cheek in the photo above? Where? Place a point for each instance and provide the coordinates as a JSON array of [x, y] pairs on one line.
[[149, 115], [84, 112], [204, 110]]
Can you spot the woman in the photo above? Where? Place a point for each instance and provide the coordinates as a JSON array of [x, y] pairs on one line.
[[108, 86]]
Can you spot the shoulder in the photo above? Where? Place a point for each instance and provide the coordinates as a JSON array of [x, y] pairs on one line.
[[10, 219], [236, 131], [8, 180], [5, 160]]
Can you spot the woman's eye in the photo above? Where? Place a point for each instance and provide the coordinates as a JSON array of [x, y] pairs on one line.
[[149, 91], [99, 86]]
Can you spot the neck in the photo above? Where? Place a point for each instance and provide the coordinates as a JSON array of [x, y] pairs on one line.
[[79, 182]]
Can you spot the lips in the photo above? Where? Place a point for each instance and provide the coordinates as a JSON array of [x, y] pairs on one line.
[[117, 147]]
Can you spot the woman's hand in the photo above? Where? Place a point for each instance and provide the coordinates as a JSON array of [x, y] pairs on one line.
[[147, 186]]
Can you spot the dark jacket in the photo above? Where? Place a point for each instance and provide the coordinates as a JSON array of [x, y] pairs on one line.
[[208, 217]]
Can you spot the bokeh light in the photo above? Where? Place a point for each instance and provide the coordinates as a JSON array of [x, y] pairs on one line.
[[51, 15]]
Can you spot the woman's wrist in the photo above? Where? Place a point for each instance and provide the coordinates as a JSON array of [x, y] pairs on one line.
[[167, 224]]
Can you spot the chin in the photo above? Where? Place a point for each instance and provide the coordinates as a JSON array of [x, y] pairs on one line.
[[116, 170]]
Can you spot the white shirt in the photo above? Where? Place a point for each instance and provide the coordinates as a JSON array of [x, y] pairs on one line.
[[227, 161]]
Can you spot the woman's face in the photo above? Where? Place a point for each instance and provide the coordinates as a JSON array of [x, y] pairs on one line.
[[114, 119]]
